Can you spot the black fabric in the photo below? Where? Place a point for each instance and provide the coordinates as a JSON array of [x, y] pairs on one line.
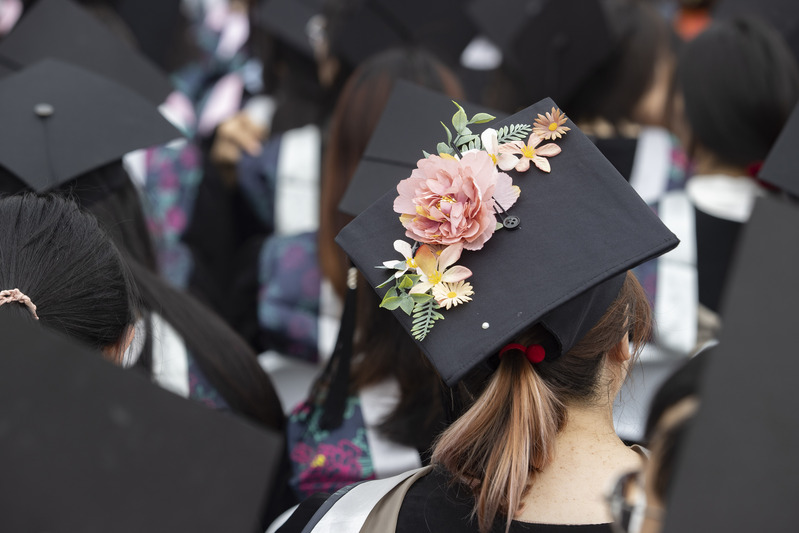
[[581, 225], [716, 239], [63, 30], [433, 505], [61, 121], [87, 446], [780, 166], [303, 513], [620, 151], [738, 470]]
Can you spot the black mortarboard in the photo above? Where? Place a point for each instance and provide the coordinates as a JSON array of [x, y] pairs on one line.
[[581, 227], [781, 167], [62, 30], [390, 156], [86, 446], [288, 20], [783, 15], [553, 46], [738, 469], [364, 27], [61, 121]]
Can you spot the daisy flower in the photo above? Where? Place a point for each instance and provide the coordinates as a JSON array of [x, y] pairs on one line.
[[451, 294], [436, 269], [529, 152], [552, 126]]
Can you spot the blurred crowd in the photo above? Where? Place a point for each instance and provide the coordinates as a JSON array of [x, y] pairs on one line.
[[174, 174]]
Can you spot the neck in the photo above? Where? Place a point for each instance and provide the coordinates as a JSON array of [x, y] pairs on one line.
[[589, 424]]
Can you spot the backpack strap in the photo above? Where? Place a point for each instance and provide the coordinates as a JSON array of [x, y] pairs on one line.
[[383, 517]]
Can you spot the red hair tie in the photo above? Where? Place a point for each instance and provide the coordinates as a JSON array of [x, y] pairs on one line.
[[535, 353]]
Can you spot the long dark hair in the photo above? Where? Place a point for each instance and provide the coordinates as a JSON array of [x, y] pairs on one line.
[[224, 358], [65, 263], [384, 347]]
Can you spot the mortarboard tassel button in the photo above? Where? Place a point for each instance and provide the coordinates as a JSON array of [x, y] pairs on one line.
[[43, 110]]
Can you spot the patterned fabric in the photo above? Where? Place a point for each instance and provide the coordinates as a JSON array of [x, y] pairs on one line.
[[173, 175], [200, 390], [325, 461], [288, 297]]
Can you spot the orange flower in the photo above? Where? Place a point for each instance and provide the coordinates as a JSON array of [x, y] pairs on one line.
[[552, 126]]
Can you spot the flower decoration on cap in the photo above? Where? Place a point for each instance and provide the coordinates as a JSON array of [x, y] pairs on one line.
[[551, 126], [451, 203]]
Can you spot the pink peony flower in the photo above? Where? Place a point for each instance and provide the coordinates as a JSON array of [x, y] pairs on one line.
[[448, 201]]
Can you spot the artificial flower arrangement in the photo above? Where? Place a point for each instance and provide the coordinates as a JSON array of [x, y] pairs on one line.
[[450, 204]]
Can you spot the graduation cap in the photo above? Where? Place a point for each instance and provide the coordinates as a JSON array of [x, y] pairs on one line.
[[289, 20], [364, 27], [62, 30], [578, 229], [392, 151], [61, 121], [781, 167], [738, 469], [553, 46], [87, 446], [783, 15]]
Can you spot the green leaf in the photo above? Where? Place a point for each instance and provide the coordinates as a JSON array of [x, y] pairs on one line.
[[406, 304], [426, 155], [391, 303], [459, 119], [443, 148], [466, 139], [406, 282], [389, 280], [421, 298], [513, 132], [449, 133], [481, 118], [424, 317]]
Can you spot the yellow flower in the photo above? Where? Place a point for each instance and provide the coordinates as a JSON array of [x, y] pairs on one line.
[[552, 126], [451, 294]]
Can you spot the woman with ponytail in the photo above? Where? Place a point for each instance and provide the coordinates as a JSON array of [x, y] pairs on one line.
[[517, 289]]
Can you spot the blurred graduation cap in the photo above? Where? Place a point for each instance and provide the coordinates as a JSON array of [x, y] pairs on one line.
[[289, 20], [63, 30], [361, 28], [61, 121], [781, 167], [783, 15], [409, 123], [87, 446], [579, 229], [738, 469], [553, 46]]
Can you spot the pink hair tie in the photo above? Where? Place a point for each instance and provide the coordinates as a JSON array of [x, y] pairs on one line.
[[535, 353], [15, 295]]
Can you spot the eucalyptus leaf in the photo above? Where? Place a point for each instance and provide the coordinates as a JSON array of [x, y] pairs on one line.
[[449, 133], [466, 139], [389, 280], [481, 118], [391, 303], [425, 154], [406, 304], [443, 148], [421, 298], [405, 283], [459, 120]]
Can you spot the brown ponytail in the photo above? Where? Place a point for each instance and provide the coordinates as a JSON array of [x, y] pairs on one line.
[[508, 435]]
